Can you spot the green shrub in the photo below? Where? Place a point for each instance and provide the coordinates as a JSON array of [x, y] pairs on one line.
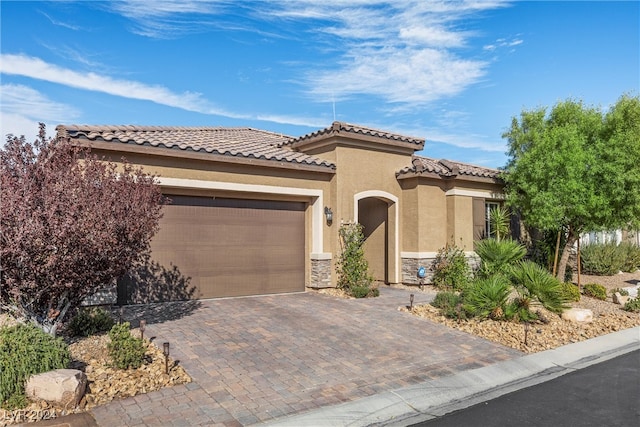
[[450, 304], [631, 256], [535, 282], [15, 401], [570, 291], [352, 266], [26, 350], [595, 291], [363, 292], [519, 310], [622, 292], [451, 270], [498, 255], [633, 305], [125, 350], [486, 298], [602, 259], [91, 321]]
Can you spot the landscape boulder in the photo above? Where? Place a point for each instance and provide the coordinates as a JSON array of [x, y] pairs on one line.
[[620, 299], [61, 388], [583, 315]]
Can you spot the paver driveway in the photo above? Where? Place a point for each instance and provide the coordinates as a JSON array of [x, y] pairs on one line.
[[254, 359]]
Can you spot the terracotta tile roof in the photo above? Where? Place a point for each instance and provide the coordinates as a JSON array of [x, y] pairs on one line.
[[446, 168], [341, 127], [236, 142]]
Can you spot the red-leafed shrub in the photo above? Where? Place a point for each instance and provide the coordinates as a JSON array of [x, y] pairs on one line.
[[70, 224]]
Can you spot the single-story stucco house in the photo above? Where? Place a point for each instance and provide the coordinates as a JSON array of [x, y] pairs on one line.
[[256, 212]]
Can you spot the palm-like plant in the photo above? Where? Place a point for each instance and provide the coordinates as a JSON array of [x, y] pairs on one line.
[[487, 298], [536, 283], [499, 218], [498, 255]]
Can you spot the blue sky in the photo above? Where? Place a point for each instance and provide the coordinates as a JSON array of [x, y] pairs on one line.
[[452, 72]]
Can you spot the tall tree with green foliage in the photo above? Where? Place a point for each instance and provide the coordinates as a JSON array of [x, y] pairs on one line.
[[576, 168]]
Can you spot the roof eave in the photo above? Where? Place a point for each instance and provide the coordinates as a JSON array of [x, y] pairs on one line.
[[132, 147], [459, 177]]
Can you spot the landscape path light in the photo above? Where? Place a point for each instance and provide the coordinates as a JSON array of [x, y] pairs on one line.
[[165, 351], [143, 326]]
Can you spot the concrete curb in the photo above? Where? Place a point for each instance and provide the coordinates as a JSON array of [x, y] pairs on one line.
[[438, 397]]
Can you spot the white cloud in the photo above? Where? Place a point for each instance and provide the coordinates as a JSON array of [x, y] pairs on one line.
[[166, 18], [499, 43], [22, 108], [411, 76], [36, 68], [401, 51]]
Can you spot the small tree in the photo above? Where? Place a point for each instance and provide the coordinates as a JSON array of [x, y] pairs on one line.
[[353, 268], [576, 168], [70, 224]]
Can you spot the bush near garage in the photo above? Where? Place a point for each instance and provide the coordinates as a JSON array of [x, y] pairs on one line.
[[26, 350]]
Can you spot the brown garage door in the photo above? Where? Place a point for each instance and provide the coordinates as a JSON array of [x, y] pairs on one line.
[[232, 247]]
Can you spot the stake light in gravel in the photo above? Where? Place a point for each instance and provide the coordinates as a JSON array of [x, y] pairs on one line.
[[143, 326], [165, 350]]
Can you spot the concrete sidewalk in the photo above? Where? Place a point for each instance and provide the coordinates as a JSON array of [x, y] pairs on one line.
[[431, 399]]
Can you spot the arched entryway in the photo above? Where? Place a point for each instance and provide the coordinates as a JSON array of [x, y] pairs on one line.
[[377, 212]]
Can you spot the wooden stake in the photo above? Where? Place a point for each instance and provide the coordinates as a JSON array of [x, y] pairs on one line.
[[579, 265], [555, 258]]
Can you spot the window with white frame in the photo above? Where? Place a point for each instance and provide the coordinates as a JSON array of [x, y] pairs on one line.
[[488, 224]]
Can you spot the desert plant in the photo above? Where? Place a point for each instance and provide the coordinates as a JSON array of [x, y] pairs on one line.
[[450, 304], [595, 291], [125, 350], [633, 305], [486, 298], [451, 270], [602, 259], [90, 321], [519, 310], [535, 282], [70, 224], [26, 350], [353, 268], [497, 255], [631, 257], [363, 291], [499, 218], [570, 291], [622, 292]]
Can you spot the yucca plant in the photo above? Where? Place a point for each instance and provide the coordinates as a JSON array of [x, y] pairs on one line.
[[535, 282], [498, 255], [487, 298], [500, 218]]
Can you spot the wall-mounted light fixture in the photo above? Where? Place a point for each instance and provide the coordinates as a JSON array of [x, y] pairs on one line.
[[328, 213]]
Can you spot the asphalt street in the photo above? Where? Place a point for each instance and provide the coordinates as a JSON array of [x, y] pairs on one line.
[[605, 394]]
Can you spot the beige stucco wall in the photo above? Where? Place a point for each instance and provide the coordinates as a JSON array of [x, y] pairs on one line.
[[460, 221], [421, 217], [243, 176], [362, 170]]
